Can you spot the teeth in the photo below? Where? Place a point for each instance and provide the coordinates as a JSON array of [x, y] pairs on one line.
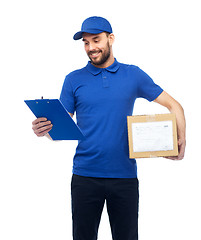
[[94, 54]]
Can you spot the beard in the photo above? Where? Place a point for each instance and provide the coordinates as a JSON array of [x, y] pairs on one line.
[[104, 57]]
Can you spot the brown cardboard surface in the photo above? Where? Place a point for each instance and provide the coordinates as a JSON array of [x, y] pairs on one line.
[[152, 118]]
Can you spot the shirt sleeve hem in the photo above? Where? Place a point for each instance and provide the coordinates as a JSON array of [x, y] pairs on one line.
[[156, 95]]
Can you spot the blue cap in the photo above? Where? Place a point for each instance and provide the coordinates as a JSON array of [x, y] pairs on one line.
[[94, 25]]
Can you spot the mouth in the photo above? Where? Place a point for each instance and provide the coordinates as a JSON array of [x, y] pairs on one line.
[[94, 54]]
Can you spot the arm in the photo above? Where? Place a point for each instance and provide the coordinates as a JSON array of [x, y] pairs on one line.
[[173, 106], [41, 127]]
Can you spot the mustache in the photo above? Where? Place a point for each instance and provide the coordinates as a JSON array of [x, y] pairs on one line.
[[91, 52]]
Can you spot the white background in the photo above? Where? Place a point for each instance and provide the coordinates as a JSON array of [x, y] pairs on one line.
[[36, 53]]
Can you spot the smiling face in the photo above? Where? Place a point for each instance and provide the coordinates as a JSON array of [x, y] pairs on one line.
[[99, 48]]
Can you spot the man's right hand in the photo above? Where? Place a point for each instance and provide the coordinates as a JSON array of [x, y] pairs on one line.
[[41, 126]]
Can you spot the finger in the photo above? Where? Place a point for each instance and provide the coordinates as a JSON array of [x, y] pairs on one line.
[[42, 131], [37, 120], [41, 124], [179, 157], [182, 149], [43, 128], [171, 158]]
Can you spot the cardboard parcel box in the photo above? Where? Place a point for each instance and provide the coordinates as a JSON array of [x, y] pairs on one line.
[[152, 136]]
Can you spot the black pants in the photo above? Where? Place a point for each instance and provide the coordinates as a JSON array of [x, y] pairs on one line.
[[88, 198]]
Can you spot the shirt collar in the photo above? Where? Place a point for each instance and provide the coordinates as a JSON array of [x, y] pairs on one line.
[[95, 70]]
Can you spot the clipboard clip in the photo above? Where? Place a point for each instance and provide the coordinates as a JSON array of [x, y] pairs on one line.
[[42, 99]]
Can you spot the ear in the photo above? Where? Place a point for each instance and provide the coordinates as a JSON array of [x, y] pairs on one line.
[[111, 38]]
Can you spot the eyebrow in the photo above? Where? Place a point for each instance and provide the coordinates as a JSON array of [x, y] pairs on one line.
[[85, 40]]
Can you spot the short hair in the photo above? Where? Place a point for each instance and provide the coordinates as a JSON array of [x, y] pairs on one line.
[[107, 33]]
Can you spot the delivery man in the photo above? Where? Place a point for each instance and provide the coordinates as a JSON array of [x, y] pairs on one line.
[[103, 94]]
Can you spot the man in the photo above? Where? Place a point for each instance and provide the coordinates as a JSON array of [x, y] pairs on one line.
[[103, 95]]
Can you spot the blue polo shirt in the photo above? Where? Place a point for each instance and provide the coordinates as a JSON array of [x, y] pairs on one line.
[[102, 99]]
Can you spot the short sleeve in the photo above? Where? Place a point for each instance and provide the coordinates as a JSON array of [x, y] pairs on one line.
[[146, 87], [67, 96]]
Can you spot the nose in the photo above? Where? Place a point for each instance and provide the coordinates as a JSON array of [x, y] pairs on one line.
[[91, 47]]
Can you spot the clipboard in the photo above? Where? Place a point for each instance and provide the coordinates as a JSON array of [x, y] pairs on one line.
[[64, 128]]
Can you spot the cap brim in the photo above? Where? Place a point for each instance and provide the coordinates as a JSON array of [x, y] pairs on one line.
[[78, 35]]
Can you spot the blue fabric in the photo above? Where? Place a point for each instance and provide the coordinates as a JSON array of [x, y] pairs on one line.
[[94, 25], [102, 99]]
